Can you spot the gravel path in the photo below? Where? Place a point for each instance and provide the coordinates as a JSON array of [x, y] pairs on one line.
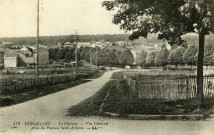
[[50, 108]]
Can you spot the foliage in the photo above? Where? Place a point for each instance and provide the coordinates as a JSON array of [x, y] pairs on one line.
[[208, 54], [69, 55], [175, 56], [87, 56], [52, 53], [83, 52], [60, 54], [111, 58], [150, 59], [170, 19], [161, 57], [126, 58], [141, 58], [189, 55]]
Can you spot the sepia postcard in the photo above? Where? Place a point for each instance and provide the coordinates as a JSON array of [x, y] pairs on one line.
[[106, 67]]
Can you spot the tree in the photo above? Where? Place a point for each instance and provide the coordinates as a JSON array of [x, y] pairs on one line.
[[126, 58], [102, 57], [69, 55], [87, 56], [201, 15], [118, 54], [141, 58], [189, 55], [196, 15], [162, 56], [170, 19], [208, 52], [53, 53], [175, 56], [60, 54], [83, 52], [111, 58], [150, 59]]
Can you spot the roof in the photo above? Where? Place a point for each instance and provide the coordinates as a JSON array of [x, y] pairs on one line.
[[67, 43], [11, 54], [29, 60], [27, 49]]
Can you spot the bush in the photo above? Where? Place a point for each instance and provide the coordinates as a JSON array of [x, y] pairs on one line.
[[102, 68], [5, 101]]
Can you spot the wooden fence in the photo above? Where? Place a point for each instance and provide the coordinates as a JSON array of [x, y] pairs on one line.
[[170, 88], [11, 84], [21, 84]]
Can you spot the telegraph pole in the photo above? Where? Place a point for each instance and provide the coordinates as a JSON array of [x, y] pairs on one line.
[[90, 53], [37, 47], [96, 54], [76, 60]]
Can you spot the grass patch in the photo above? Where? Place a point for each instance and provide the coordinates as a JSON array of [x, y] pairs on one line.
[[97, 75], [91, 106], [117, 75], [122, 101]]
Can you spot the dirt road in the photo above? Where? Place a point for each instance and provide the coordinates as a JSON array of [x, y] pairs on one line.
[[50, 108]]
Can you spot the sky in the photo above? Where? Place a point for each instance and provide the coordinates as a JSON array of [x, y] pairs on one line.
[[57, 17]]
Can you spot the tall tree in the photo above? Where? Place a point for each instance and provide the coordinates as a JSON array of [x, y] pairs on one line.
[[69, 55], [162, 56], [141, 58], [170, 19], [111, 58], [189, 55], [150, 59], [208, 52], [126, 58], [175, 56]]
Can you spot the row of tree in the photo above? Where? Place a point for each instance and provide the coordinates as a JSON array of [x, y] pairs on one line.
[[177, 56], [97, 55]]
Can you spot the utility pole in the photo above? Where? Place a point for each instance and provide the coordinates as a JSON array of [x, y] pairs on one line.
[[37, 47], [76, 60], [96, 54], [90, 53]]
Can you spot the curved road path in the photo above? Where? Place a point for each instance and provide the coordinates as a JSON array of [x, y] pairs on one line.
[[52, 107]]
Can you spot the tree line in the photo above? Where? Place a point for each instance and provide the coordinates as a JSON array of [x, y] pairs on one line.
[[98, 56], [177, 56]]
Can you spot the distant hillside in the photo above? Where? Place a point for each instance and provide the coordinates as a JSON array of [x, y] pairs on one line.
[[62, 39], [192, 39]]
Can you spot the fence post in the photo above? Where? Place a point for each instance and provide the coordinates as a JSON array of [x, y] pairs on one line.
[[187, 86], [15, 85]]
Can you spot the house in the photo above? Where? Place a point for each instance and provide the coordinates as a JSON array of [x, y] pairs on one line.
[[68, 44], [26, 61], [11, 59], [26, 52], [7, 43], [103, 44], [83, 44]]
